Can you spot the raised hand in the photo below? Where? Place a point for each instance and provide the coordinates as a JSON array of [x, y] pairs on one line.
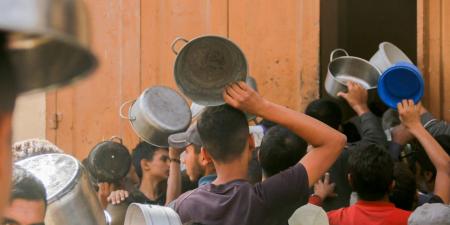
[[241, 96], [356, 97]]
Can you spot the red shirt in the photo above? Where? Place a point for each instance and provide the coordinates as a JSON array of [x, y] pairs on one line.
[[369, 213]]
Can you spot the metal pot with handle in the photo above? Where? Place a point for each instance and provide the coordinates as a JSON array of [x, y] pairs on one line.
[[205, 65], [109, 160], [47, 41], [387, 55], [157, 113], [349, 68], [70, 197]]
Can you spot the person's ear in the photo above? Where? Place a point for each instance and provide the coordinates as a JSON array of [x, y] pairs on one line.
[[145, 165], [205, 157], [349, 178], [392, 186], [428, 176], [251, 142]]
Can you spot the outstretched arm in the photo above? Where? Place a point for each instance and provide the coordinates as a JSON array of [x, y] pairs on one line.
[[410, 117], [327, 142]]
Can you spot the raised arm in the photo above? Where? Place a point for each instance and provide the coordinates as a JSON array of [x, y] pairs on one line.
[[174, 180], [327, 142], [410, 117], [371, 129]]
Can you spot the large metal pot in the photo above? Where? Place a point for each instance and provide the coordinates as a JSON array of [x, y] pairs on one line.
[[387, 55], [349, 68], [142, 214], [70, 197], [205, 65], [157, 113], [197, 109], [109, 161], [47, 41]]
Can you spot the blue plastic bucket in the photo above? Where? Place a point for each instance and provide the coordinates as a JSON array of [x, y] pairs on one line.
[[400, 81]]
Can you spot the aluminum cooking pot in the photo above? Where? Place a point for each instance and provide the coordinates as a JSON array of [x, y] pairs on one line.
[[387, 55], [349, 68], [205, 65], [157, 113], [197, 109], [70, 197], [47, 41], [109, 161], [143, 214]]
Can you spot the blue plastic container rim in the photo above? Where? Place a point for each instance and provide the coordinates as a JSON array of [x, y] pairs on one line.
[[384, 93]]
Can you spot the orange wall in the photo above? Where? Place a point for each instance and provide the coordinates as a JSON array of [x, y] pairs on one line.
[[280, 39], [433, 44], [132, 40]]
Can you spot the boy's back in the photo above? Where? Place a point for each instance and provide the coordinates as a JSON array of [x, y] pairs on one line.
[[239, 202]]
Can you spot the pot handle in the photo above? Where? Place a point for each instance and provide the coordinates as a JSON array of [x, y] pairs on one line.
[[175, 42], [119, 139], [121, 111], [335, 51]]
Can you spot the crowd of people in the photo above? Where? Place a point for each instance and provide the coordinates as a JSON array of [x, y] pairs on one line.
[[393, 173], [309, 173]]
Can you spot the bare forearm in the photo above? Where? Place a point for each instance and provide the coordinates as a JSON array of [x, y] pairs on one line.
[[173, 183], [311, 130], [435, 152]]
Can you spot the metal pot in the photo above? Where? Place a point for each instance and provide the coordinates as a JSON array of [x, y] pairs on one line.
[[47, 41], [70, 197], [387, 55], [142, 214], [157, 113], [349, 68], [197, 109], [109, 161], [205, 65]]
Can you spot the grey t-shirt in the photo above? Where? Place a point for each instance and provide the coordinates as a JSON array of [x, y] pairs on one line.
[[272, 201]]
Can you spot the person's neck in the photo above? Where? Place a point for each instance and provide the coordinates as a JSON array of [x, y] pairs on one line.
[[149, 187], [209, 170], [385, 199], [234, 170]]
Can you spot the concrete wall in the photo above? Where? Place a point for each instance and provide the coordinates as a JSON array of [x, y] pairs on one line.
[[29, 117]]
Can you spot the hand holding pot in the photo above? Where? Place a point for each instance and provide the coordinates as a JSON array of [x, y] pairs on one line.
[[116, 197], [409, 114], [356, 97], [241, 96]]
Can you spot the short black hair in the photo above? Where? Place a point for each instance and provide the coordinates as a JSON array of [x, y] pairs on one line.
[[143, 150], [26, 186], [224, 132], [372, 171], [422, 157], [280, 149], [404, 193], [8, 84], [326, 111]]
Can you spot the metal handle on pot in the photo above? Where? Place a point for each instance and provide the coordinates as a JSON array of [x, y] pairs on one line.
[[121, 111], [116, 138], [335, 51], [175, 42]]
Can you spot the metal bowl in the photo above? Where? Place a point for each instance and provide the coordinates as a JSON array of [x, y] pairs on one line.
[[157, 113], [349, 68], [47, 41], [205, 65]]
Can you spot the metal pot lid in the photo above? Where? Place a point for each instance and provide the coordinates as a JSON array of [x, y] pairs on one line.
[[165, 108], [56, 171], [47, 41], [206, 65]]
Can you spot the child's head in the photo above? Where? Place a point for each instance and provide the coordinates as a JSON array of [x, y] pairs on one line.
[[224, 132]]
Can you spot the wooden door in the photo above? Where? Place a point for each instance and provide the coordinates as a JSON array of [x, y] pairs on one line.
[[132, 40]]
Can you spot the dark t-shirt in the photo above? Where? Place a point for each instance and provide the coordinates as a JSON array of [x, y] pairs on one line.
[[272, 201]]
